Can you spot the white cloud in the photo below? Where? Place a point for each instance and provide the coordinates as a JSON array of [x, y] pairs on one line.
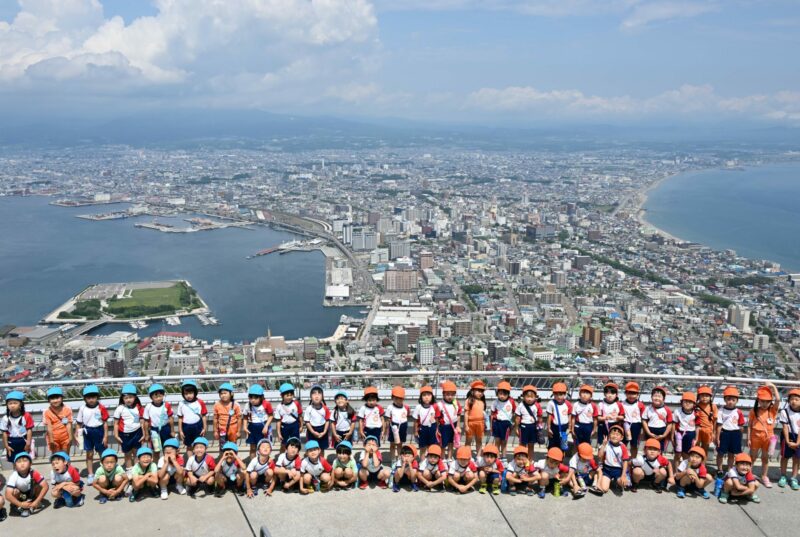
[[648, 13]]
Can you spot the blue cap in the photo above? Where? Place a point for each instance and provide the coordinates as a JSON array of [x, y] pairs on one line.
[[286, 387], [230, 446], [144, 450], [263, 441], [156, 388], [202, 440], [256, 389], [173, 443], [189, 384], [225, 386], [91, 389], [370, 437], [342, 393], [345, 444], [16, 395], [109, 452], [55, 391], [317, 387], [61, 455], [312, 444], [22, 455], [128, 389]]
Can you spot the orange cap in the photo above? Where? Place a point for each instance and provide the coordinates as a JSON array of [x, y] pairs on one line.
[[520, 450], [612, 385], [529, 388], [586, 388], [652, 443], [559, 387], [618, 427], [764, 394], [632, 387], [370, 390], [704, 390], [399, 391], [794, 391], [412, 448], [491, 449], [661, 389], [689, 396], [700, 451], [464, 452], [448, 386], [504, 385], [426, 389], [585, 450], [435, 449], [555, 454], [730, 391], [477, 385], [743, 457]]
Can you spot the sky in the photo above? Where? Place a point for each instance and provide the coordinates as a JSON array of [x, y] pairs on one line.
[[493, 62]]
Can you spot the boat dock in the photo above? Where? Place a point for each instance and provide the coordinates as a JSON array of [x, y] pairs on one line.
[[291, 246]]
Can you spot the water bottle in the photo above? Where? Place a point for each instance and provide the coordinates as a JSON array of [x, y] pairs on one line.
[[773, 443], [557, 489], [678, 441], [718, 485], [581, 483]]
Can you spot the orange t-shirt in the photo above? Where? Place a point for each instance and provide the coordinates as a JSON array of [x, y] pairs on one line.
[[58, 423], [763, 424], [475, 410], [228, 418], [706, 417]]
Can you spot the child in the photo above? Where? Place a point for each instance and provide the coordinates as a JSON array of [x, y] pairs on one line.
[[615, 460], [370, 416], [611, 411], [66, 486], [475, 414], [370, 466], [551, 467], [583, 420], [652, 468], [405, 469], [344, 419], [463, 474], [230, 470], [396, 417], [657, 419], [521, 472], [740, 481], [289, 414], [730, 422], [633, 411], [490, 469], [25, 488], [110, 479], [171, 468], [790, 446], [762, 427], [692, 475], [528, 418], [257, 416], [583, 469], [128, 423], [157, 418], [58, 422], [261, 470], [199, 467], [144, 475], [227, 415], [92, 417], [502, 414], [559, 411], [317, 417], [432, 470], [345, 471], [287, 467], [685, 428], [425, 416], [315, 469], [16, 426], [706, 419], [450, 412], [192, 414]]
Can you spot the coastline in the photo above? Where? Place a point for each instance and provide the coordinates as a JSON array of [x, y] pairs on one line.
[[641, 213]]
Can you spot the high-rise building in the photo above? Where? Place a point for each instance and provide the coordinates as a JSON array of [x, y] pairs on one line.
[[400, 280], [425, 351], [425, 260], [364, 239], [310, 346], [476, 361], [399, 249], [581, 261], [401, 341], [739, 317], [433, 326], [373, 217], [592, 336], [115, 368], [559, 278], [761, 342], [347, 233], [513, 268], [462, 327], [413, 333]]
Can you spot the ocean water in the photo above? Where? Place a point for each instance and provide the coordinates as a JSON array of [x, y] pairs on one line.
[[755, 211], [47, 255]]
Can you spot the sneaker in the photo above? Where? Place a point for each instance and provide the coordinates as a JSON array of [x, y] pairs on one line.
[[25, 513], [782, 481], [414, 487], [3, 514], [541, 493], [382, 484], [164, 494], [513, 491], [794, 484], [704, 494], [181, 489], [191, 491], [363, 485], [530, 492], [633, 488], [80, 501], [90, 480], [395, 488], [755, 499], [767, 483], [103, 499], [482, 488], [496, 490], [681, 493], [723, 498], [128, 490], [59, 503], [132, 497], [580, 493], [565, 494]]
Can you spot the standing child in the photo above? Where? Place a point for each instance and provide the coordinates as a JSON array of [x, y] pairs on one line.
[[521, 472], [396, 416], [92, 417], [502, 414], [762, 427], [432, 470], [583, 421], [475, 414], [16, 426], [657, 418], [58, 422], [790, 442], [261, 470], [463, 474], [370, 467], [144, 476], [425, 416], [192, 414], [490, 469], [317, 419], [344, 419], [552, 471], [345, 471], [692, 475], [229, 474], [257, 417], [227, 415], [685, 426], [66, 486], [287, 467], [615, 460], [558, 411], [583, 469], [128, 423], [171, 468], [633, 409], [25, 488], [157, 419], [199, 467], [405, 469], [528, 418], [653, 468], [730, 423], [289, 415], [706, 417], [740, 481], [611, 411], [110, 478], [450, 412], [370, 416]]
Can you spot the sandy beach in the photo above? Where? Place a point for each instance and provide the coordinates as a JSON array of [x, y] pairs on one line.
[[641, 212]]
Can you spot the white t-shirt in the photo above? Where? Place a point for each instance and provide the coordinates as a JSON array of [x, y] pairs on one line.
[[92, 417], [581, 466], [633, 411], [425, 416], [397, 415], [455, 467], [513, 467], [496, 466], [341, 420], [529, 417], [16, 427], [435, 469], [158, 416], [449, 412], [288, 414], [70, 475], [373, 417], [200, 467], [24, 484], [316, 417], [171, 469], [731, 419], [615, 455], [611, 410], [650, 467], [790, 419], [258, 413], [287, 463], [584, 412], [130, 419], [503, 410], [657, 417], [686, 422], [191, 412], [259, 467], [559, 412], [230, 470], [316, 469]]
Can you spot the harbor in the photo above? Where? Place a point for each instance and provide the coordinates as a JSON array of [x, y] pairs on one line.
[[196, 224], [291, 246]]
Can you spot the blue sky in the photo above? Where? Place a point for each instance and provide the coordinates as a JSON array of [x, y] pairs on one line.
[[488, 61]]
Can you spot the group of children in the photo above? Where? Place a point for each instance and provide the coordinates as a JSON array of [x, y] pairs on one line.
[[150, 441]]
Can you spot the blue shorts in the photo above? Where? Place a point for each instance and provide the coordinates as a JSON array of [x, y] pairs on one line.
[[289, 430], [555, 440], [402, 432], [730, 442], [373, 431], [346, 435], [602, 431], [659, 431], [256, 434], [190, 432], [528, 434], [636, 431], [786, 451], [93, 439], [446, 434], [131, 441], [17, 444], [686, 442], [612, 472], [324, 443], [500, 429], [427, 435], [164, 433], [583, 433]]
